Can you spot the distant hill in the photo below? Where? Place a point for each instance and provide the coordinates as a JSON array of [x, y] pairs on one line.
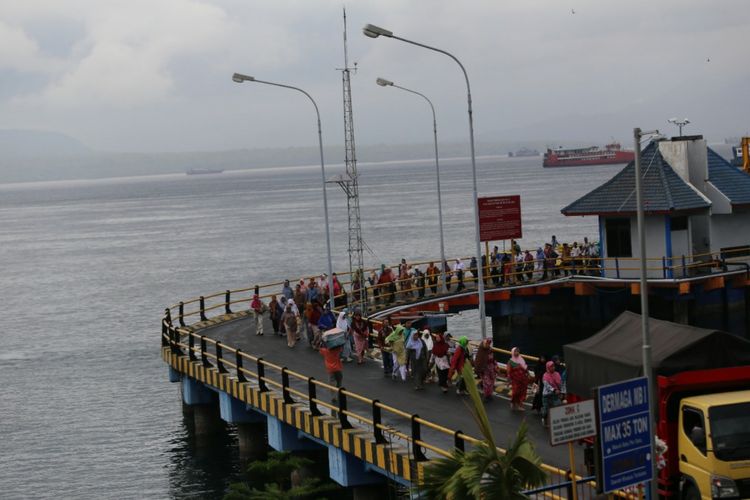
[[38, 143]]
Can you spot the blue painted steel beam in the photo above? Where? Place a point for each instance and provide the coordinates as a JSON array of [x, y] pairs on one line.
[[284, 437], [196, 393], [348, 470], [234, 411]]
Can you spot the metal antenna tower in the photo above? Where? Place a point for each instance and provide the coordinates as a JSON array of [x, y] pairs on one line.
[[349, 182]]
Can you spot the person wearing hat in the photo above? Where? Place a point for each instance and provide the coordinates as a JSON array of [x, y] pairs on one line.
[[457, 363]]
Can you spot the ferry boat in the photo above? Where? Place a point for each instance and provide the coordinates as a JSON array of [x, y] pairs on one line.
[[593, 155], [523, 152], [200, 171]]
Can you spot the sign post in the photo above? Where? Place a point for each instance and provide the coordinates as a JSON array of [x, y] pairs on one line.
[[624, 434], [571, 422]]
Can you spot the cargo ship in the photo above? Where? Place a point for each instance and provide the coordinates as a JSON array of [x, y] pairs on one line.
[[594, 155], [523, 152], [200, 171]]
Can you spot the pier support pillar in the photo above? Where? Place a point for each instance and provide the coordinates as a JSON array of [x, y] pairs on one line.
[[234, 411], [284, 437], [680, 311], [206, 420], [253, 444], [174, 375], [501, 330], [370, 492], [348, 470], [195, 393]]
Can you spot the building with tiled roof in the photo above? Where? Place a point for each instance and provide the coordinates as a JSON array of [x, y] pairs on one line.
[[695, 203]]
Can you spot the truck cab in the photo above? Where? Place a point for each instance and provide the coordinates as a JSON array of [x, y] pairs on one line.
[[713, 440]]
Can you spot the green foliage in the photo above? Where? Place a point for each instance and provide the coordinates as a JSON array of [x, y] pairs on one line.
[[274, 475], [484, 472]]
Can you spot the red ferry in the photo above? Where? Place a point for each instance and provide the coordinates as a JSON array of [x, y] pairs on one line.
[[594, 155]]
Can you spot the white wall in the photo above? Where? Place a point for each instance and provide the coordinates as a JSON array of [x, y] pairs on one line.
[[730, 230], [656, 248]]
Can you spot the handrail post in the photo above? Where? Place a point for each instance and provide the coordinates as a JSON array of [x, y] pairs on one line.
[[182, 314], [664, 267], [166, 335], [285, 386], [219, 363], [261, 376], [168, 316], [416, 435], [191, 347], [343, 420], [569, 484], [458, 442], [203, 308], [617, 267], [238, 363], [312, 396], [227, 297], [204, 358], [376, 422], [684, 269]]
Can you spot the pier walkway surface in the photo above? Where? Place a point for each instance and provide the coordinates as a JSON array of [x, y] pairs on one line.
[[449, 410], [381, 427]]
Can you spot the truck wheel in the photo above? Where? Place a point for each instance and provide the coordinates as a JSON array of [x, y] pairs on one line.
[[691, 493]]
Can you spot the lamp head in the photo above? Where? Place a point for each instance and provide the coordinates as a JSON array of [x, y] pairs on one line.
[[383, 82], [239, 78], [375, 31]]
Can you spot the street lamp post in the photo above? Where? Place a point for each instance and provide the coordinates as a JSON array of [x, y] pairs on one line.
[[240, 78], [387, 83], [374, 32], [645, 332]]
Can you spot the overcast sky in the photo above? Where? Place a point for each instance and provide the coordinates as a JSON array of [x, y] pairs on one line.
[[155, 75]]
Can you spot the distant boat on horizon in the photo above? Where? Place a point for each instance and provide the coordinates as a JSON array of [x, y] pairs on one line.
[[593, 155], [523, 152], [203, 171]]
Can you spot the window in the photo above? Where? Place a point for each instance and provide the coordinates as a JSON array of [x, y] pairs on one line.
[[618, 238], [679, 223], [692, 426]]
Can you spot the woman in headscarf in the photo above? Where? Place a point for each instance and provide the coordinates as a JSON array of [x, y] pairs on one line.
[[398, 350], [440, 358], [296, 312], [552, 384], [518, 374], [460, 356], [343, 324], [418, 358], [361, 334], [539, 369], [385, 349], [290, 320], [275, 311], [313, 316], [485, 368]]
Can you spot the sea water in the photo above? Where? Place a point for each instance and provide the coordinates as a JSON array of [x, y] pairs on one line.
[[86, 409]]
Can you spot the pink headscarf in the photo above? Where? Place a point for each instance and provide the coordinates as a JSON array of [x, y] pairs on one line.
[[515, 356], [552, 377]]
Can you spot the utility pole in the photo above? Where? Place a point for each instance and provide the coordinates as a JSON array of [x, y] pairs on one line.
[[646, 334], [349, 183]]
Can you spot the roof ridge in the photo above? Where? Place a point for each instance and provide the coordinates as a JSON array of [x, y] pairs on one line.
[[663, 177]]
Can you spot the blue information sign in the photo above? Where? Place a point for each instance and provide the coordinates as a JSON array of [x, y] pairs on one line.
[[624, 434]]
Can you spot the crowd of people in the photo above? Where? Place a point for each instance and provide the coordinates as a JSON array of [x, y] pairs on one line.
[[406, 353], [302, 311], [508, 267]]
